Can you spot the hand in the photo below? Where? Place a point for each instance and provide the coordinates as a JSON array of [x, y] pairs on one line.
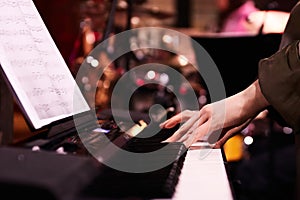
[[202, 125], [219, 120]]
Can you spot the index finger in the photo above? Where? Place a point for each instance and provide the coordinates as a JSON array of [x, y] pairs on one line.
[[180, 117]]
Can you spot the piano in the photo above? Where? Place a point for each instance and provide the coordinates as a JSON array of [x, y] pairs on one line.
[[204, 175], [201, 177], [197, 172]]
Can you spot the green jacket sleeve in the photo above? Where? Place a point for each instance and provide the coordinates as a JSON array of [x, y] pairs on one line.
[[279, 79]]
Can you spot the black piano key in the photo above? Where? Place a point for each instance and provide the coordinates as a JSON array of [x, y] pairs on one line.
[[157, 184]]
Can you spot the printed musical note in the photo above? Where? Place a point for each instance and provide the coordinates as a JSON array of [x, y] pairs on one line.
[[17, 3], [12, 19], [37, 91], [34, 66]]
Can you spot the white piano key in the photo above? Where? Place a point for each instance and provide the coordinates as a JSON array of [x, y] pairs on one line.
[[203, 176]]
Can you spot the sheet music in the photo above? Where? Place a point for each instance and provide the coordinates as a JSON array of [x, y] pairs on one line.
[[34, 65]]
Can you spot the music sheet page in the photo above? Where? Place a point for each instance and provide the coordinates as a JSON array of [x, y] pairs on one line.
[[34, 66]]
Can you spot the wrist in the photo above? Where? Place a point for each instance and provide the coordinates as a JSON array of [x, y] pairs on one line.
[[253, 99]]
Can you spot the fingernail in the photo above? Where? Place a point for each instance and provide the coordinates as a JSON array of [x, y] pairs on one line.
[[163, 124]]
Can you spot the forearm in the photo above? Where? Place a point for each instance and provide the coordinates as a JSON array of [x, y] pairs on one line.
[[253, 99], [244, 105]]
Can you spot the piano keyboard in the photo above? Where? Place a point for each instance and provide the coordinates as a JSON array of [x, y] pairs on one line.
[[199, 172], [203, 175]]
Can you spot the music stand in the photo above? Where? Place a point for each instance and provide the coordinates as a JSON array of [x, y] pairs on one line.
[[6, 112]]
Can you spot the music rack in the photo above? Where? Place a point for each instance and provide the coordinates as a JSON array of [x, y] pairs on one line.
[[6, 112]]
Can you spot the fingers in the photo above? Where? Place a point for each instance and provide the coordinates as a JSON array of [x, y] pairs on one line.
[[187, 130], [170, 123], [181, 117], [230, 133], [201, 132], [197, 134]]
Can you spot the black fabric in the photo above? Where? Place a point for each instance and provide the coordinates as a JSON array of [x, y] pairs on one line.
[[26, 174], [268, 176]]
